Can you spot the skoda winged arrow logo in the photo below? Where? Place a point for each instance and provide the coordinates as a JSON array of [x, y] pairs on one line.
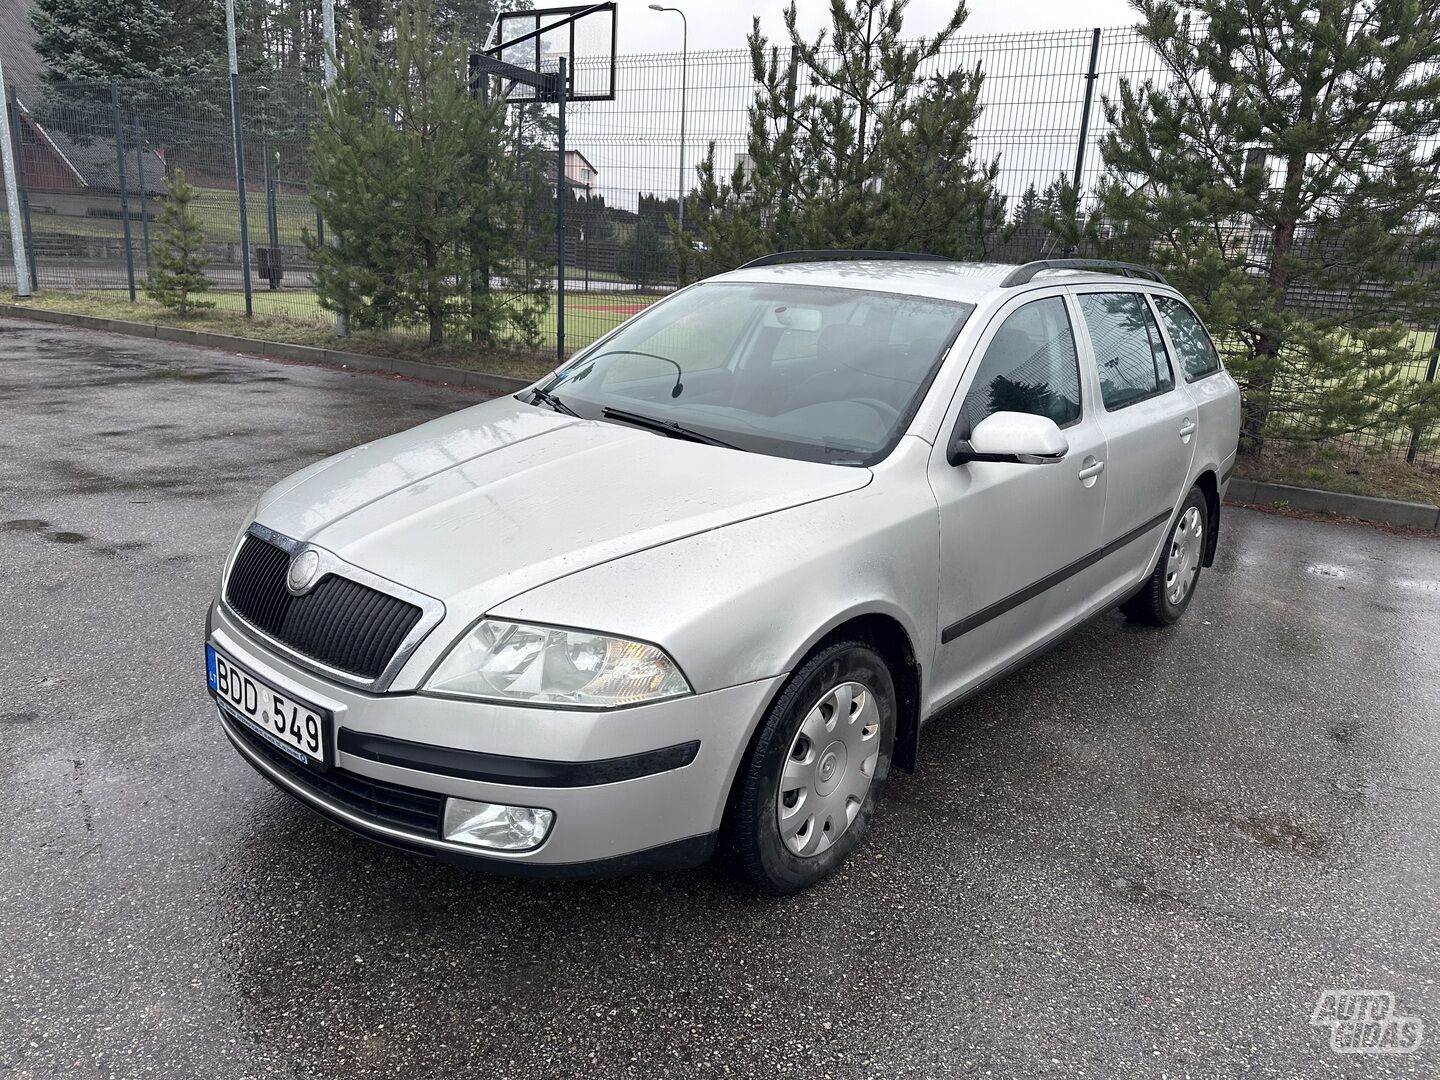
[[304, 569]]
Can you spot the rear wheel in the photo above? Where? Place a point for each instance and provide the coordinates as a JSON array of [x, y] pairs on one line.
[[1171, 585], [807, 789]]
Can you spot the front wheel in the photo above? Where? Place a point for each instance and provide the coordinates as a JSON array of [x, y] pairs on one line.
[[1171, 585], [808, 786]]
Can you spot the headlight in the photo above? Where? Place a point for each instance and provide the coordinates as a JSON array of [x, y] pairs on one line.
[[505, 661]]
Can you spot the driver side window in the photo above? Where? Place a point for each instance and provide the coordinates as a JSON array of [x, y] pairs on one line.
[[1030, 366]]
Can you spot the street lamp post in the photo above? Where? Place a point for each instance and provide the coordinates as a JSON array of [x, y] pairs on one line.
[[684, 78]]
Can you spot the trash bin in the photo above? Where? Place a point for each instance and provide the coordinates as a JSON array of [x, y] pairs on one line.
[[269, 265]]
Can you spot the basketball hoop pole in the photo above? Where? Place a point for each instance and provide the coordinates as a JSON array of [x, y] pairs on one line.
[[552, 87], [548, 87]]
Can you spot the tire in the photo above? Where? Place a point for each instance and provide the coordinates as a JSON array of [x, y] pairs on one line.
[[785, 856], [1163, 598]]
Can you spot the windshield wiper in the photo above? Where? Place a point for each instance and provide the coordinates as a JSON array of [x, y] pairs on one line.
[[665, 427], [554, 402]]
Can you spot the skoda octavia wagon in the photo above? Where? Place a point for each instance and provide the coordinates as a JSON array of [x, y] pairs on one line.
[[706, 582]]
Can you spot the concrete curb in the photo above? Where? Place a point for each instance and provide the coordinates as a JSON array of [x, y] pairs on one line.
[[1363, 507], [278, 350]]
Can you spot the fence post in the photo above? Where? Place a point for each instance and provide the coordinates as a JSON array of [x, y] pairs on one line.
[[560, 219], [16, 135], [240, 191], [272, 223], [327, 23], [12, 204], [1430, 373], [140, 178], [1090, 77], [124, 189]]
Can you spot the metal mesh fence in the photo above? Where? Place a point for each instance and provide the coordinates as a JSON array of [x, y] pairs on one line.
[[94, 159]]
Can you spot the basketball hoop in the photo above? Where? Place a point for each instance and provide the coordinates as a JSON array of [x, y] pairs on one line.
[[529, 45], [552, 56]]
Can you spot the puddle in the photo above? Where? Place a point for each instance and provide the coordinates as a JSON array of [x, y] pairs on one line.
[[1324, 570], [1351, 789], [1278, 834], [189, 375], [1140, 892], [1265, 830], [42, 528], [1420, 585], [84, 481], [10, 718]]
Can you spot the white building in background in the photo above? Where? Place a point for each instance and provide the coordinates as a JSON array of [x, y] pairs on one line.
[[579, 173]]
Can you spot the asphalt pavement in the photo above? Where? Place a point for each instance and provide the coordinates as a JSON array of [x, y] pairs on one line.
[[1148, 854]]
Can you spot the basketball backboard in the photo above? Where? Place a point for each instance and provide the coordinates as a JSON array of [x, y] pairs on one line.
[[536, 40]]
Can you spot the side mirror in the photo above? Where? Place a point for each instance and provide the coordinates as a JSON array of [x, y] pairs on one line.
[[1014, 437]]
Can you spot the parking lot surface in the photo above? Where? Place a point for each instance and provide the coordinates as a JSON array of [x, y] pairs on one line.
[[1147, 854]]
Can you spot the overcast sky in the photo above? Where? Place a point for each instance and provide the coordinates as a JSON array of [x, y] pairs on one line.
[[723, 24], [1032, 96]]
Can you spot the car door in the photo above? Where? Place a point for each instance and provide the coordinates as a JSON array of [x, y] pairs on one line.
[[1012, 534], [1216, 397], [1149, 424]]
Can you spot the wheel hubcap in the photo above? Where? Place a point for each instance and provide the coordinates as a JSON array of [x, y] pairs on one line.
[[829, 768], [1182, 565]]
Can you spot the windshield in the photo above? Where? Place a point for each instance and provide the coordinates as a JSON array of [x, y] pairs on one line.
[[823, 374]]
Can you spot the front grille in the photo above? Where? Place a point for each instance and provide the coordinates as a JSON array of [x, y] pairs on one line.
[[375, 800], [339, 622]]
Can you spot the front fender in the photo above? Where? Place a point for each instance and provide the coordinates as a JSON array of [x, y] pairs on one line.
[[749, 600]]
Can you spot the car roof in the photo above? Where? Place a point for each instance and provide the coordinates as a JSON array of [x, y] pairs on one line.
[[966, 282]]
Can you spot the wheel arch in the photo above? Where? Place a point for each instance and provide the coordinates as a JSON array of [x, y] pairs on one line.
[[887, 632], [1209, 484]]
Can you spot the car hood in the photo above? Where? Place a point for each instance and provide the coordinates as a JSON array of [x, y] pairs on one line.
[[488, 502]]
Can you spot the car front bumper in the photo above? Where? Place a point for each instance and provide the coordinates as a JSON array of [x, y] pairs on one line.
[[631, 789]]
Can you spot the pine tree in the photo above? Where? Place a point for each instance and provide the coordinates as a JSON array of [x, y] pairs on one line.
[[874, 156], [177, 267], [590, 232], [136, 39], [1275, 174], [429, 192], [646, 255], [724, 221], [1027, 210], [282, 37]]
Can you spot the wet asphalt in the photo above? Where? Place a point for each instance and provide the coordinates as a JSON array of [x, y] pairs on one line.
[[1146, 855]]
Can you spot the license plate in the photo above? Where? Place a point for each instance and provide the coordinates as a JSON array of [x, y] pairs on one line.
[[301, 730]]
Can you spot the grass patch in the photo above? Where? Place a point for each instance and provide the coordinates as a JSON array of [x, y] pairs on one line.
[[218, 210], [273, 325], [587, 316], [1382, 474]]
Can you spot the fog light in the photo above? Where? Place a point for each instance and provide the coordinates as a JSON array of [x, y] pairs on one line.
[[495, 826]]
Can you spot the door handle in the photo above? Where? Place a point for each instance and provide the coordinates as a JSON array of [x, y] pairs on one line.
[[1187, 428], [1094, 469]]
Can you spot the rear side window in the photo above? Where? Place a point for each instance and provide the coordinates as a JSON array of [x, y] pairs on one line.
[[1128, 349], [1196, 350], [1030, 366]]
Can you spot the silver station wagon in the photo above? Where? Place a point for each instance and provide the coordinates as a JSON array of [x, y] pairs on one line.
[[706, 582]]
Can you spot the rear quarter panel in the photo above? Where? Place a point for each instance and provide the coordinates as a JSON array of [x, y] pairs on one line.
[[1217, 400]]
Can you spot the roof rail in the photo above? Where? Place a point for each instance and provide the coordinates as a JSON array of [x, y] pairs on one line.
[[839, 253], [1022, 275]]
